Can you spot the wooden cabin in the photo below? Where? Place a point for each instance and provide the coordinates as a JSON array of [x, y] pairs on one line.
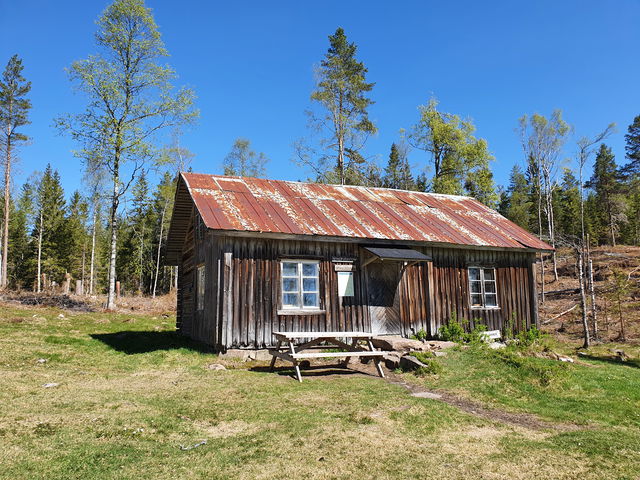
[[257, 256]]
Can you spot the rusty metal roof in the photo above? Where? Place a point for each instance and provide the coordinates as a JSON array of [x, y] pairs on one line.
[[296, 208]]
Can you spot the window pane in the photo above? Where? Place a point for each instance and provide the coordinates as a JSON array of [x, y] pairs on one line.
[[289, 284], [310, 299], [475, 287], [290, 299], [489, 274], [310, 284], [310, 269], [491, 300], [490, 287], [474, 274], [476, 300], [289, 269]]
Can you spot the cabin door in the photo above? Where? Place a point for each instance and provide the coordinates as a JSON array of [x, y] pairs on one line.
[[383, 279]]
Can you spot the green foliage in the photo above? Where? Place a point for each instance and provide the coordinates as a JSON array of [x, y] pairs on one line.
[[14, 110], [243, 161], [452, 331], [460, 162], [610, 204], [397, 173], [432, 367], [420, 335], [516, 202], [526, 338], [130, 99]]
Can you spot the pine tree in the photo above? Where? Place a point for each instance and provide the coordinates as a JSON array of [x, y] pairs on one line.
[[14, 110], [341, 90]]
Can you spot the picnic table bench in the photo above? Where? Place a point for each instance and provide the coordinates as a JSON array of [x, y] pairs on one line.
[[286, 348]]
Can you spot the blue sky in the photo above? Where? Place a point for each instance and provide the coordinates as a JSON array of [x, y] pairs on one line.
[[251, 64]]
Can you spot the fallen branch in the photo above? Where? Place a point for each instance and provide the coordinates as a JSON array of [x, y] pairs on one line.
[[191, 447], [560, 314]]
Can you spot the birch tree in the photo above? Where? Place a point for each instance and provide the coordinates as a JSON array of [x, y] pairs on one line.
[[542, 141], [130, 100], [14, 110]]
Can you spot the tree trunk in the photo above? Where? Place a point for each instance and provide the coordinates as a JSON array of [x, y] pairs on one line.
[[111, 295], [93, 251], [592, 292], [155, 280], [622, 337], [39, 267], [541, 278], [583, 298], [5, 227]]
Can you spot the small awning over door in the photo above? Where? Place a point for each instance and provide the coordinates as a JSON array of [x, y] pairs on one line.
[[398, 254]]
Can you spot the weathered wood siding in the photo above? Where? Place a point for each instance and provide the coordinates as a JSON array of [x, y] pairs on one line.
[[242, 294], [448, 290], [255, 291]]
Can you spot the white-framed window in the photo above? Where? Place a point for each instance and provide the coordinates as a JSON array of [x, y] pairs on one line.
[[482, 287], [300, 282], [200, 282]]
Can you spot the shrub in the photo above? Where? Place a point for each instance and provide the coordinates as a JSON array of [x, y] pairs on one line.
[[529, 337], [475, 336], [431, 367], [452, 331], [424, 357], [420, 335]]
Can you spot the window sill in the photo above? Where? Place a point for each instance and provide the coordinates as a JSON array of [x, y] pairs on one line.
[[297, 311], [485, 308]]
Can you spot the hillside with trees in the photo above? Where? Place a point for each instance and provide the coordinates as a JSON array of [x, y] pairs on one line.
[[113, 230]]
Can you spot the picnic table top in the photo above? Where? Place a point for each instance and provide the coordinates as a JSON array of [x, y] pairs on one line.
[[292, 335]]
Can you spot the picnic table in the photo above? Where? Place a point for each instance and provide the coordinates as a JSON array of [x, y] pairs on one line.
[[287, 349]]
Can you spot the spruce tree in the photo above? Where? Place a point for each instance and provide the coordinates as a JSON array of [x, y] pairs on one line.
[[19, 238], [568, 206], [516, 202], [606, 185], [76, 244], [632, 148], [397, 173], [48, 233]]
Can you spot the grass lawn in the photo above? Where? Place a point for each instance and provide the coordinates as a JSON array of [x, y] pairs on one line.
[[130, 393]]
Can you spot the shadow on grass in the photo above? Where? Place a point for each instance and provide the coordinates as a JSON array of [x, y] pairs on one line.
[[133, 342], [312, 371], [612, 359]]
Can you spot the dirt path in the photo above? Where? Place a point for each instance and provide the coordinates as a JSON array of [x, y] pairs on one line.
[[524, 420]]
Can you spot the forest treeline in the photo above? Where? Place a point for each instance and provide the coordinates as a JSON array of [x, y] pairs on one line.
[[114, 229]]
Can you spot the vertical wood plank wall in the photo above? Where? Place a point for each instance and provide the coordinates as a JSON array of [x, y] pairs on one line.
[[242, 291]]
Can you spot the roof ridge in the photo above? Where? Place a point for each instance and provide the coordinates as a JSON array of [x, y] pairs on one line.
[[364, 187]]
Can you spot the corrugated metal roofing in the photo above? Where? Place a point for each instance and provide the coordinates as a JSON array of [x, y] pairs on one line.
[[276, 206]]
